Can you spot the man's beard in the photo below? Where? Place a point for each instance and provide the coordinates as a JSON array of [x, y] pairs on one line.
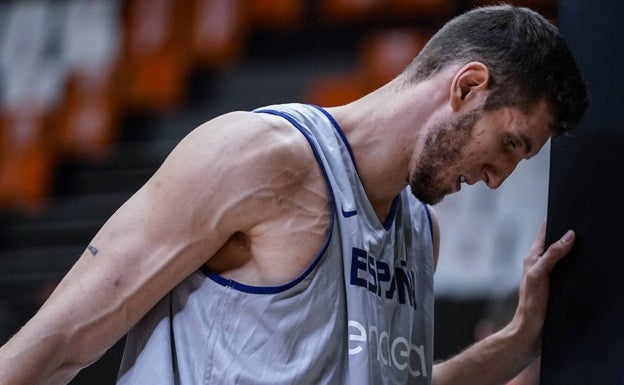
[[442, 150]]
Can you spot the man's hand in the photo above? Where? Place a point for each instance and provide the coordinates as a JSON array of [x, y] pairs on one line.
[[535, 285], [501, 356]]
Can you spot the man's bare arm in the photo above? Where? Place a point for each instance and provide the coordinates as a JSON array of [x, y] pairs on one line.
[[501, 356], [203, 193]]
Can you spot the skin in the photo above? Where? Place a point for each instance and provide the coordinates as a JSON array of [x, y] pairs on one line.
[[443, 148], [239, 190]]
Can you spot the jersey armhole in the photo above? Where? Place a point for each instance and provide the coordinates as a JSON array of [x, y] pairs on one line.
[[226, 282]]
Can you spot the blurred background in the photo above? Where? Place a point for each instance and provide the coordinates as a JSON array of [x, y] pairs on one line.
[[95, 93]]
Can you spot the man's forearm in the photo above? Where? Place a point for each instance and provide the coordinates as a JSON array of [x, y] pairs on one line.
[[493, 360], [32, 359]]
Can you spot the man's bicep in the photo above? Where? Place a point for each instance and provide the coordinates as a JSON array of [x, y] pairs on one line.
[[167, 230]]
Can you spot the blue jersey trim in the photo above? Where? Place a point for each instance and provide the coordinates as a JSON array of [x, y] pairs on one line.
[[429, 220], [277, 289], [339, 131], [392, 214], [387, 225]]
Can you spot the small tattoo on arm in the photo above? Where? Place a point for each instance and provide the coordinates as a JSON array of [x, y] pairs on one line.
[[92, 249]]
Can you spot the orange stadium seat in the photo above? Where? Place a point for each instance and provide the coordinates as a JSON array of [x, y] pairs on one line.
[[32, 82], [424, 8], [335, 90], [27, 160], [157, 53], [277, 13], [89, 113], [348, 10], [218, 31], [384, 54], [89, 118]]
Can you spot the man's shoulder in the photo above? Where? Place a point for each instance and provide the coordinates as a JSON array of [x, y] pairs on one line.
[[263, 137]]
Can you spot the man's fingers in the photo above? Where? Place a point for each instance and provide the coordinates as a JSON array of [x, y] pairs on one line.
[[538, 244], [556, 251]]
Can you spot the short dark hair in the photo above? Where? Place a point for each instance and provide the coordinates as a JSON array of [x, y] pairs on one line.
[[526, 55]]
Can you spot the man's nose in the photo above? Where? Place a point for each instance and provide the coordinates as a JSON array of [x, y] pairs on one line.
[[497, 174]]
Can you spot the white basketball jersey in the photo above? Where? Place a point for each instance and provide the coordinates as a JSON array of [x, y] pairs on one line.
[[361, 313]]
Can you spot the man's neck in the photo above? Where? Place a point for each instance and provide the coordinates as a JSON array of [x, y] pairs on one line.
[[386, 132]]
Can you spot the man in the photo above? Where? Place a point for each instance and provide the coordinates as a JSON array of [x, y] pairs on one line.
[[283, 246]]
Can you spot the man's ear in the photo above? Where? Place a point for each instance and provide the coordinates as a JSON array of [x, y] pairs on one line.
[[469, 86]]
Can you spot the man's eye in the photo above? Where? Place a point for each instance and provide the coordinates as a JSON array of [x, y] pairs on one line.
[[509, 142]]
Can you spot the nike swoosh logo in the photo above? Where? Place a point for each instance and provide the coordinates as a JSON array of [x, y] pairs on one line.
[[348, 214]]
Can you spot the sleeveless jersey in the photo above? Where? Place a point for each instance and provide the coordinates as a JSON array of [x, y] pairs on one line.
[[361, 313]]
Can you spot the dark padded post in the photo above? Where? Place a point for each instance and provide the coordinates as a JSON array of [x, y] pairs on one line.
[[583, 340]]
